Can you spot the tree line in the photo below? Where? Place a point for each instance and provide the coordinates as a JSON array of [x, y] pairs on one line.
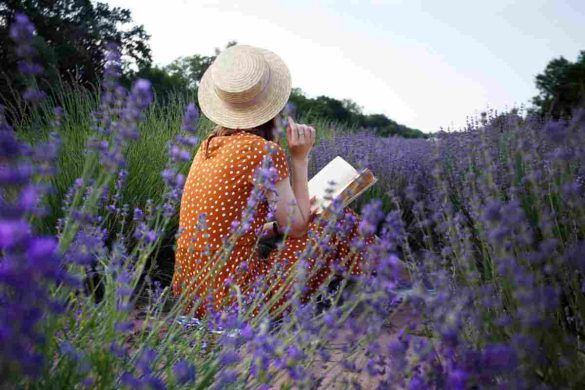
[[72, 35]]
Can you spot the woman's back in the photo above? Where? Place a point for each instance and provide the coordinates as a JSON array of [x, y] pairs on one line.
[[216, 194]]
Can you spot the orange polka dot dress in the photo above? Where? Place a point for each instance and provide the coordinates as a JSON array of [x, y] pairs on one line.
[[210, 262]]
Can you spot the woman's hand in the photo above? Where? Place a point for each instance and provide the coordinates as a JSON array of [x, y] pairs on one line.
[[315, 207], [300, 138]]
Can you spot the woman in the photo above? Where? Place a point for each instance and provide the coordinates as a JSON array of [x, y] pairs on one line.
[[243, 91]]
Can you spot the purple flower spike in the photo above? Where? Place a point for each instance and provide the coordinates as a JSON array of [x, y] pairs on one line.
[[22, 32], [34, 95], [190, 119], [142, 93], [184, 372]]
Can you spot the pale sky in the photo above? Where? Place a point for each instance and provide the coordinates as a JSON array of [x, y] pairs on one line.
[[425, 64]]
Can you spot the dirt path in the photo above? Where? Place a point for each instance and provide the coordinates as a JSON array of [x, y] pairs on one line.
[[334, 376], [334, 379]]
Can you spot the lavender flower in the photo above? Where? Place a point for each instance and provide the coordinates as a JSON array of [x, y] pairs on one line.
[[180, 150], [184, 372], [22, 32]]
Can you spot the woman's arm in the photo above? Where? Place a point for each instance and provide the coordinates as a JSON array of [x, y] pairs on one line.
[[293, 204], [301, 139]]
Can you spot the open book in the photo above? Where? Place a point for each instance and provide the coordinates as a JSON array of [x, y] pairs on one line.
[[348, 183]]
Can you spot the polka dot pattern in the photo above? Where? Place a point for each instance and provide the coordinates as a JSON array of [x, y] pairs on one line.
[[215, 195]]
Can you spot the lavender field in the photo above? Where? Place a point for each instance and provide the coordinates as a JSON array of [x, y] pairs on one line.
[[477, 279]]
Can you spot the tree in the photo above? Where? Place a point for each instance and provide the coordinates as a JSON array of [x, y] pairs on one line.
[[71, 38], [193, 67], [190, 68], [164, 84], [349, 112], [352, 106], [561, 87]]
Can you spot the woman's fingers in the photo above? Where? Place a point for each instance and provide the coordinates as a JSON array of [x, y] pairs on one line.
[[299, 134], [302, 133], [311, 135], [294, 132], [314, 205]]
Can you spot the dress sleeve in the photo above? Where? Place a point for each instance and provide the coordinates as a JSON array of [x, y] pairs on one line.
[[262, 150]]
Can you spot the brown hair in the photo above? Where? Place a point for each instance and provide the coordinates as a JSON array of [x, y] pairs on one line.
[[265, 130]]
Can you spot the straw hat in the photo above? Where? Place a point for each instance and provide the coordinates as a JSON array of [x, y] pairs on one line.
[[244, 87]]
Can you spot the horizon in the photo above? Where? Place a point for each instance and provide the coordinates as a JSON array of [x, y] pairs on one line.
[[347, 51]]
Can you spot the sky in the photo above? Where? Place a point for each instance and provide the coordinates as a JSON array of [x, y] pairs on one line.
[[426, 64]]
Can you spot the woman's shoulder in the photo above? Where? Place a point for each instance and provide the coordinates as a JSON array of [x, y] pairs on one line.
[[257, 150], [258, 144]]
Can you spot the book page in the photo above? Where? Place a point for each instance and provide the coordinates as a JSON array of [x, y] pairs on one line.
[[339, 171]]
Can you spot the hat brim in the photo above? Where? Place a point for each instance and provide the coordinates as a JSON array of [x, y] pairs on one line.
[[265, 107]]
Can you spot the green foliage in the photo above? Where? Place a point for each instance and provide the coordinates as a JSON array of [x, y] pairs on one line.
[[349, 113], [164, 84], [181, 76], [384, 126], [71, 36], [321, 107], [561, 87], [192, 68]]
